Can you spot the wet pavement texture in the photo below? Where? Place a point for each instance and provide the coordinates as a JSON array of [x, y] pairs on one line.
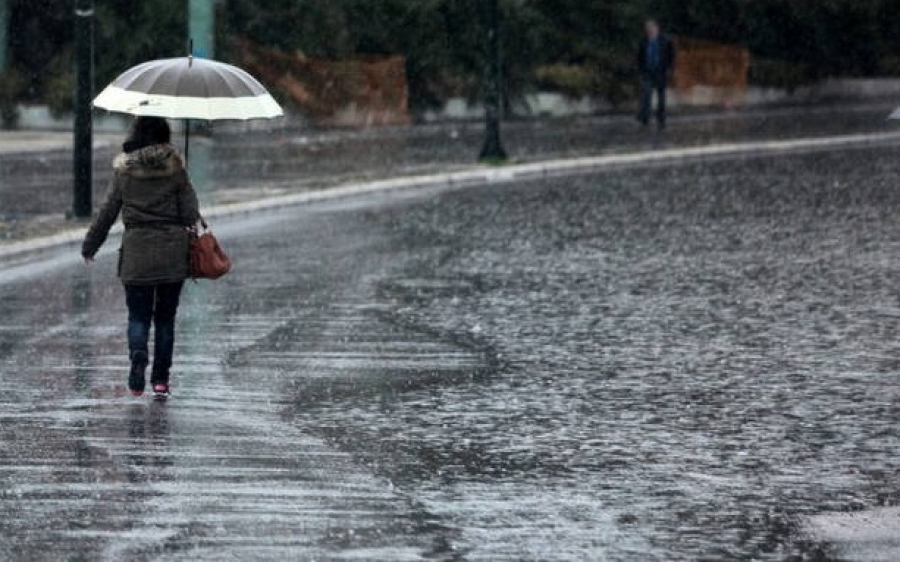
[[36, 188], [667, 363]]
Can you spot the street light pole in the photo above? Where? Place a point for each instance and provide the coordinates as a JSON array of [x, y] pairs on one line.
[[493, 148], [201, 28], [82, 206], [4, 32]]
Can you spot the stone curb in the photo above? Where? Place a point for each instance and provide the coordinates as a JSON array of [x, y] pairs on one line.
[[480, 176]]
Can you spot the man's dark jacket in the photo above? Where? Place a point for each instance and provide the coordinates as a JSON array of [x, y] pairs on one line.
[[666, 57]]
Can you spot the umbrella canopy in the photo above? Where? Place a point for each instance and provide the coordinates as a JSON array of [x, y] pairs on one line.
[[188, 88]]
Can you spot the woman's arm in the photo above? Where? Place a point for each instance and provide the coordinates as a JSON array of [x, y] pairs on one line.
[[99, 230], [188, 207]]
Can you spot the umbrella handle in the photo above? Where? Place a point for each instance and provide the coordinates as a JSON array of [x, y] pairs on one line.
[[187, 122], [187, 140]]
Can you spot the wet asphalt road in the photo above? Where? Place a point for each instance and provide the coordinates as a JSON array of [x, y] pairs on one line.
[[229, 167], [669, 363]]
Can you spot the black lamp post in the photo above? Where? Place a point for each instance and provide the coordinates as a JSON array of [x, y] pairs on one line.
[[82, 206], [493, 148]]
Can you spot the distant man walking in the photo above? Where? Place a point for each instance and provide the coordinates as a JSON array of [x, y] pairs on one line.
[[656, 59]]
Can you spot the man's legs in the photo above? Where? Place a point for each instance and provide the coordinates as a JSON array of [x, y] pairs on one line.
[[646, 100], [661, 103], [167, 298]]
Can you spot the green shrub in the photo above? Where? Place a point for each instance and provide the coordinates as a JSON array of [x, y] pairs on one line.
[[570, 79], [613, 79], [770, 73], [59, 94], [889, 66], [618, 77], [12, 86]]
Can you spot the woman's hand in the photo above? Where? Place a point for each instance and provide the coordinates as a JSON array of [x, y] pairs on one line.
[[88, 261]]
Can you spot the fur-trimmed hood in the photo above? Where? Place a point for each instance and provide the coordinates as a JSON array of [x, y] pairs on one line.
[[157, 160]]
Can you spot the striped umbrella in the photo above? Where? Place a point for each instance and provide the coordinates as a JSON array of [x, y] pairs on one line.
[[188, 88]]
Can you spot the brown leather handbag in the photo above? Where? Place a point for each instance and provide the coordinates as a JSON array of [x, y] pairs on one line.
[[208, 259]]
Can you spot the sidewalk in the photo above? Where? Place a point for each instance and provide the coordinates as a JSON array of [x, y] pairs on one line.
[[30, 142], [35, 168]]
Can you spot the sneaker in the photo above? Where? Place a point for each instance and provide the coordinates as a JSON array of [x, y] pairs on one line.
[[160, 391], [137, 377]]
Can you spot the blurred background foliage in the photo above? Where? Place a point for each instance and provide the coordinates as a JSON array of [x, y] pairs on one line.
[[577, 47]]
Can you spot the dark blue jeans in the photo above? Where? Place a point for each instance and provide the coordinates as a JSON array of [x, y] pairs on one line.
[[653, 83], [157, 304]]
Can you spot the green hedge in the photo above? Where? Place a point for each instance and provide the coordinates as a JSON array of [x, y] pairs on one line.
[[572, 46]]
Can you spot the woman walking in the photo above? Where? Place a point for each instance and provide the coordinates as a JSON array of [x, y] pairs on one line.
[[153, 192]]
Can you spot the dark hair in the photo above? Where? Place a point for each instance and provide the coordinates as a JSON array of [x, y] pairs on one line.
[[147, 131]]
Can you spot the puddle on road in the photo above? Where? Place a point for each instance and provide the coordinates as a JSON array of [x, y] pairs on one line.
[[688, 370]]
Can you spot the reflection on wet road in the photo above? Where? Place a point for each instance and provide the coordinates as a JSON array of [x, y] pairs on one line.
[[217, 473], [668, 364]]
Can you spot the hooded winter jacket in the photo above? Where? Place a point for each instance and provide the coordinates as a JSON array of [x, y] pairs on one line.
[[153, 192]]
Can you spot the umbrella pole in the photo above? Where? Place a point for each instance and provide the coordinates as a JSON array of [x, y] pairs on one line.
[[187, 140]]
